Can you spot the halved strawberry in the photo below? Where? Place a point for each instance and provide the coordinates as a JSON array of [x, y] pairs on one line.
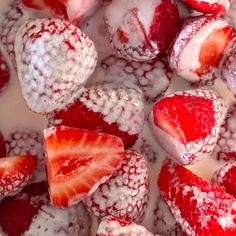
[[15, 173], [198, 206], [2, 146], [78, 161]]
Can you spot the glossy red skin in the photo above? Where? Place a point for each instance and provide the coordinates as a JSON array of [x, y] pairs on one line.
[[229, 181], [2, 146]]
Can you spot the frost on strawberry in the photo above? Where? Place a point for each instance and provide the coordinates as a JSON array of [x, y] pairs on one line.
[[54, 60], [199, 207], [186, 124], [139, 31], [125, 194]]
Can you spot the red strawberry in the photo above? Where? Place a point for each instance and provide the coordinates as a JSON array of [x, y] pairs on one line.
[[108, 109], [29, 213], [225, 178], [78, 161], [2, 146], [111, 226], [153, 76], [125, 194], [228, 67], [4, 73], [225, 147], [219, 7], [199, 47], [230, 15], [198, 206], [15, 173], [27, 142], [54, 60], [187, 124], [11, 21], [141, 31]]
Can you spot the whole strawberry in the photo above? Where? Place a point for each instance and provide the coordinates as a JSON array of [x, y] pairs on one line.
[[199, 207], [54, 60], [186, 124], [125, 194]]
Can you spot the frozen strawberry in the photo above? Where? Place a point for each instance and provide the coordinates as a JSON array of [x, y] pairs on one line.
[[125, 194], [187, 124], [199, 47], [198, 206], [12, 19], [29, 213], [225, 148], [15, 173], [78, 161], [27, 142], [164, 222], [111, 226], [219, 7], [139, 31], [105, 108], [2, 146], [54, 60], [225, 178], [4, 73], [154, 76], [230, 15], [228, 67]]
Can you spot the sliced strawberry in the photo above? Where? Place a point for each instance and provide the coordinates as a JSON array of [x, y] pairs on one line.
[[78, 161], [225, 178], [189, 121], [105, 108], [198, 206], [2, 146], [15, 173], [4, 72]]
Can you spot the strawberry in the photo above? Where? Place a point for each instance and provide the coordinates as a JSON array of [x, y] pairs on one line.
[[15, 173], [54, 60], [125, 194], [4, 73], [219, 7], [187, 124], [154, 76], [111, 226], [78, 161], [225, 178], [198, 206], [225, 147], [199, 47], [230, 15], [141, 31], [228, 67], [2, 146], [29, 213], [108, 109]]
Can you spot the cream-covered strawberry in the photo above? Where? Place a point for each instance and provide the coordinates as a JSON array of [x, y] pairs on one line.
[[198, 206], [107, 108], [125, 195], [78, 161], [141, 30], [186, 124], [54, 60], [199, 47]]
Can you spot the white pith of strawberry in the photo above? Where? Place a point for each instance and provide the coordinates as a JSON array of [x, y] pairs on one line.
[[111, 226], [78, 161], [186, 124], [225, 147], [15, 173], [225, 178], [54, 60], [141, 31], [116, 110], [125, 195], [199, 47], [198, 206]]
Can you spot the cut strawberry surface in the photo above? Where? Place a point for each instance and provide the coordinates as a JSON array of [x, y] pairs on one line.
[[78, 161], [15, 173], [198, 206]]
